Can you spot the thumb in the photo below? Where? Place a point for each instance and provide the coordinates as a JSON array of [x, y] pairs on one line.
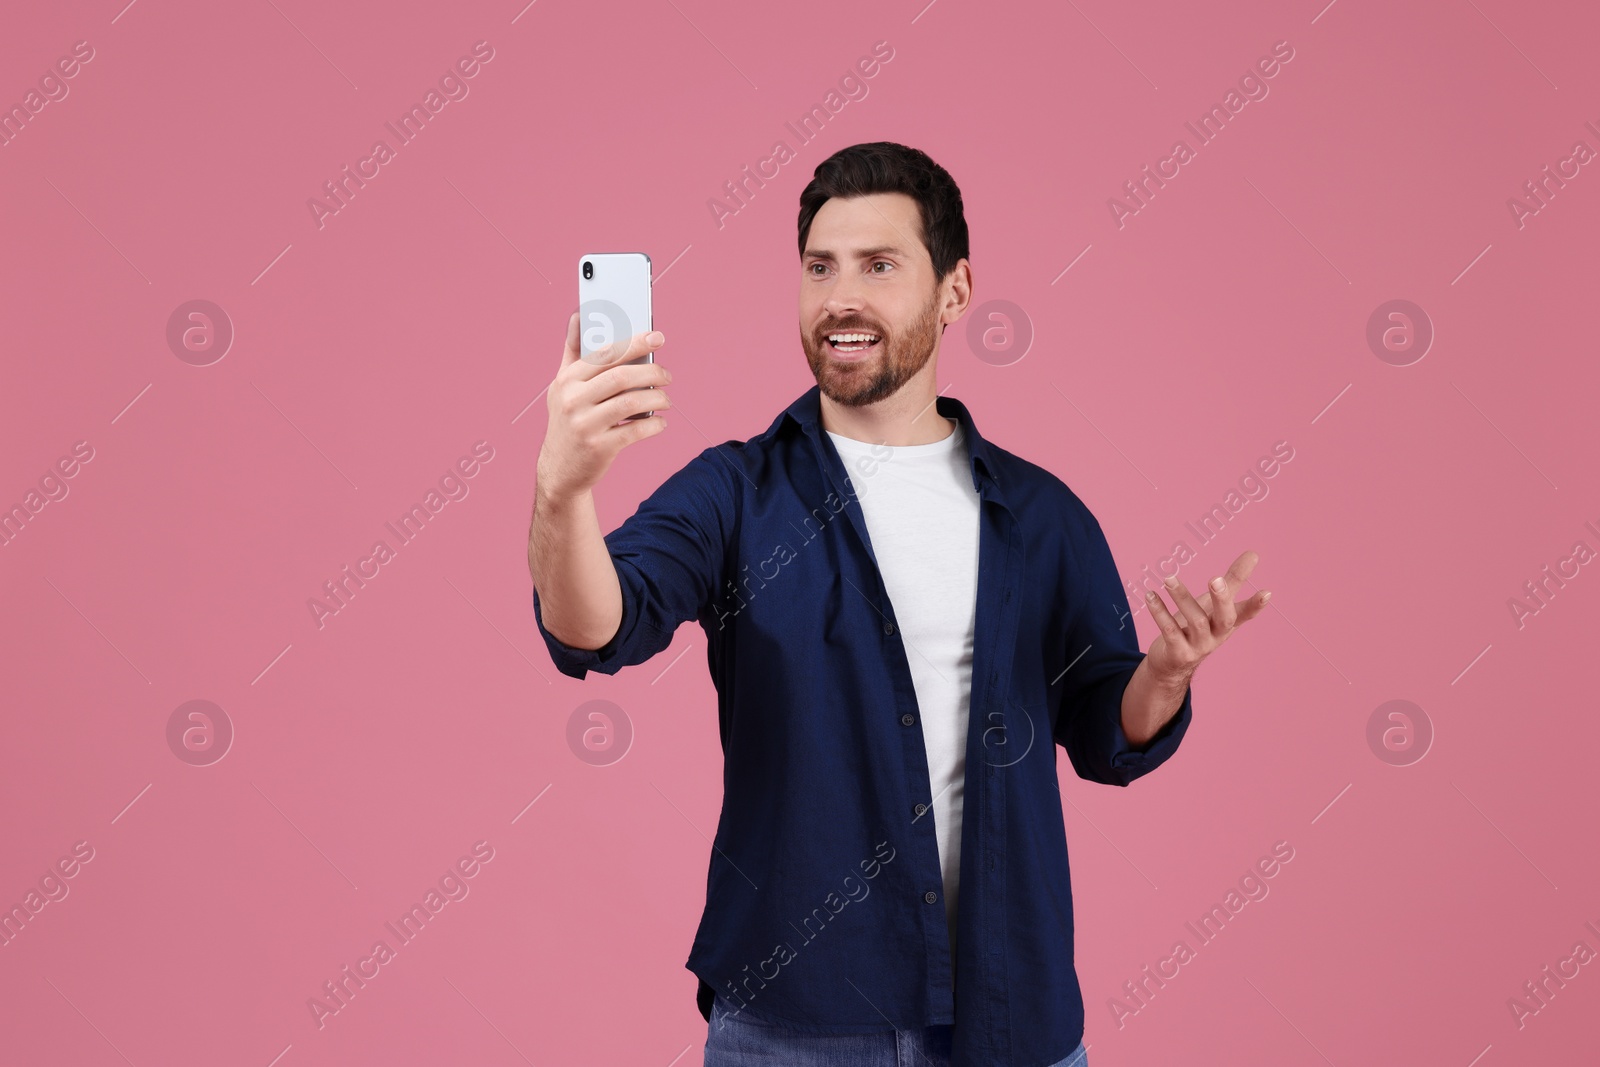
[[571, 354]]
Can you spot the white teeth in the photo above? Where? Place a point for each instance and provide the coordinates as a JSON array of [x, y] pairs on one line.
[[851, 338]]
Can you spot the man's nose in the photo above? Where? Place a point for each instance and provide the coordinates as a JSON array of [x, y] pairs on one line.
[[844, 298]]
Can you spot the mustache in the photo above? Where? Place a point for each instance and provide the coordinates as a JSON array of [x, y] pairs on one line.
[[850, 326]]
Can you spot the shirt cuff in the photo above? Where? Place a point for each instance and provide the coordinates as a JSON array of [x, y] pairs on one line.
[[578, 662], [1126, 760]]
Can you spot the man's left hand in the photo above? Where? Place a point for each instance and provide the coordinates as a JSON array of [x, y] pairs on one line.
[[1200, 626]]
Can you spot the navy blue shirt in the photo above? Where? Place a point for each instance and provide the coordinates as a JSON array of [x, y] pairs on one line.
[[824, 899]]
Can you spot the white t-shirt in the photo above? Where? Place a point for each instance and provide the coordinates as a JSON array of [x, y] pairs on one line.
[[921, 511]]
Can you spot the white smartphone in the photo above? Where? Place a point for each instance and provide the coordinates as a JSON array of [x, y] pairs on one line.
[[614, 303]]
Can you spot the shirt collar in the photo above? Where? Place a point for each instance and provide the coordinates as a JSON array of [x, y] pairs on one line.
[[806, 413]]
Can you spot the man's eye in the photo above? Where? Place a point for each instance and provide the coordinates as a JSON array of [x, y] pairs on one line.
[[883, 263]]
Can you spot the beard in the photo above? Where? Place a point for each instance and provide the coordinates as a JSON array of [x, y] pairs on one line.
[[897, 360]]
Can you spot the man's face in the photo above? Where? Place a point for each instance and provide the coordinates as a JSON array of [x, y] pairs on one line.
[[865, 270]]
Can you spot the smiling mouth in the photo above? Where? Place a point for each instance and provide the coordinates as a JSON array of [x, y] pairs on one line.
[[853, 344]]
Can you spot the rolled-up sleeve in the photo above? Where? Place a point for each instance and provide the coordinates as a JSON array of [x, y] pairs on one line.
[[1102, 654], [669, 557]]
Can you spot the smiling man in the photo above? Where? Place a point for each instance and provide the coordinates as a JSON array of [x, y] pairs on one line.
[[903, 620]]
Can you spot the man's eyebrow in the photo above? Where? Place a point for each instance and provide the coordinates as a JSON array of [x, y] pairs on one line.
[[863, 253]]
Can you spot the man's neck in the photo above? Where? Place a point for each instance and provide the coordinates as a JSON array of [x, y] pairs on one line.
[[909, 417]]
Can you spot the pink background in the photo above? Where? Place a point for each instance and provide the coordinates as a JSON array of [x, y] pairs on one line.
[[371, 353]]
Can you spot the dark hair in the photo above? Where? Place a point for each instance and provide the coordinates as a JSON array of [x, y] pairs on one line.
[[886, 167]]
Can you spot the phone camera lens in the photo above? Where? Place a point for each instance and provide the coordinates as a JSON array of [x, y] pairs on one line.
[[588, 269]]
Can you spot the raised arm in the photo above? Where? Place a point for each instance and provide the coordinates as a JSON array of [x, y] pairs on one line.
[[589, 401]]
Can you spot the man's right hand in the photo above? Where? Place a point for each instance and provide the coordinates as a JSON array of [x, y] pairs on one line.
[[590, 401]]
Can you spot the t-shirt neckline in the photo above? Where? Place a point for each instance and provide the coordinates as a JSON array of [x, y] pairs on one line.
[[933, 448]]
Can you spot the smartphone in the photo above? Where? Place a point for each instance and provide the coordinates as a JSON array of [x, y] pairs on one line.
[[614, 303]]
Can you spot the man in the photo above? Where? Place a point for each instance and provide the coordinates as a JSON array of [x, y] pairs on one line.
[[903, 620]]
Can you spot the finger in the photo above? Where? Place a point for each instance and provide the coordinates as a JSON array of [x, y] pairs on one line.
[[637, 429], [1240, 570], [571, 354], [615, 353], [1224, 612], [1158, 611], [1186, 603], [621, 377], [1249, 609], [619, 352], [632, 402], [1179, 620]]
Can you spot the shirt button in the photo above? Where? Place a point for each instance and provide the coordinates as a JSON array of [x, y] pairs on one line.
[[888, 627], [907, 719], [931, 897], [920, 808]]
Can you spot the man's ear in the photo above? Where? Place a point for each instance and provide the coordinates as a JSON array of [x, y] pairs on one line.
[[961, 285]]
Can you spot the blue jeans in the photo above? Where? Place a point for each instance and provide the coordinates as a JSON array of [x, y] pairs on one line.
[[736, 1039]]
